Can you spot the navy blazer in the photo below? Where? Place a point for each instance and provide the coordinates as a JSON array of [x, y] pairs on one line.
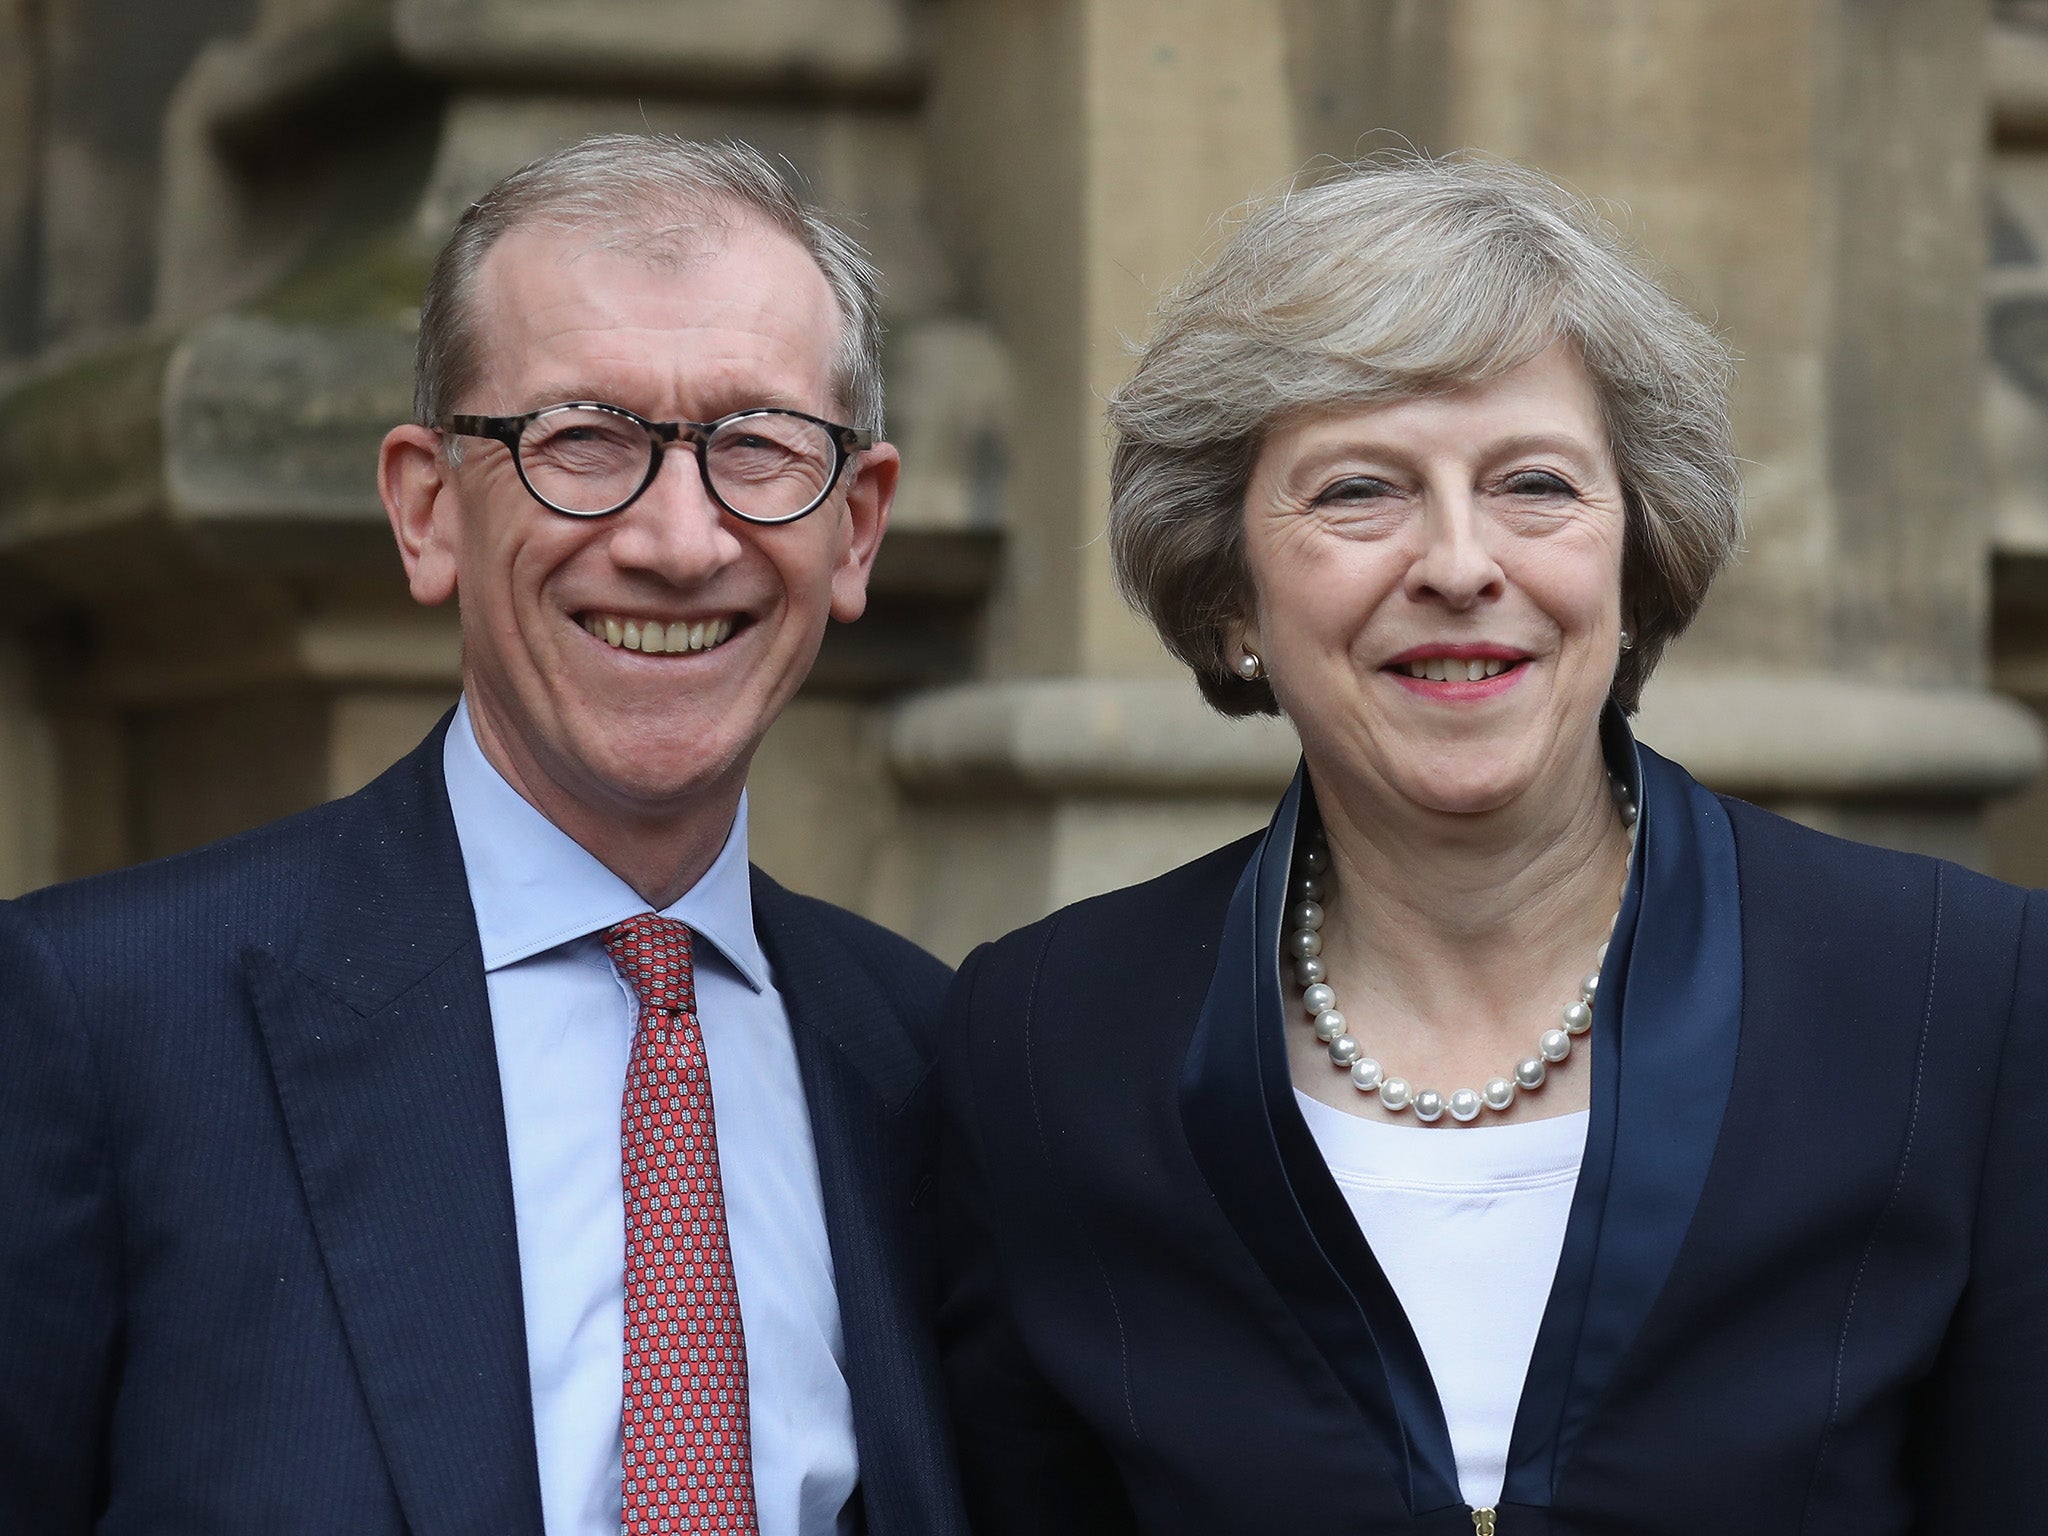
[[258, 1268], [1804, 1282]]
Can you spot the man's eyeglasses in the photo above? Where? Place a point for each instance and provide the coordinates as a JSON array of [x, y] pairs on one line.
[[589, 459]]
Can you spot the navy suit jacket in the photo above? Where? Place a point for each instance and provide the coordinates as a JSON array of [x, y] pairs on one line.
[[258, 1267], [1804, 1284]]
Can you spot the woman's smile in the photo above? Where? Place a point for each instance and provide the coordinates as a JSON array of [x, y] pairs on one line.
[[1458, 673]]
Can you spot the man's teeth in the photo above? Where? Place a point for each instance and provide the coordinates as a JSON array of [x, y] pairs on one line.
[[655, 638], [1443, 669]]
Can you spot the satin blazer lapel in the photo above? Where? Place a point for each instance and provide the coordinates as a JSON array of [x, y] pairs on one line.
[[1665, 1037], [1666, 1031], [860, 1073], [378, 1032], [1261, 1162]]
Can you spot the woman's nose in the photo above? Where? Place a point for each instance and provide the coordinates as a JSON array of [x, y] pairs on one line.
[[1455, 564]]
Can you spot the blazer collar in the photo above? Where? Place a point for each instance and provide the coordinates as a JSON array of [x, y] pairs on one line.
[[1665, 1038], [378, 1033]]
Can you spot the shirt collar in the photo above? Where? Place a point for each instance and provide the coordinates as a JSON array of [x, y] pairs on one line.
[[534, 887]]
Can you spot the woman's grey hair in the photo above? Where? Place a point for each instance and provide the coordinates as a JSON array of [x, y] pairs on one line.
[[662, 196], [1397, 277]]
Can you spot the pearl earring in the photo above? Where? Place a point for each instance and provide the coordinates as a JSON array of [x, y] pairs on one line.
[[1250, 668], [1627, 639]]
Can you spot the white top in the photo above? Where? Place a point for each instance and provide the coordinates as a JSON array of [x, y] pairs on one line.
[[1467, 1224], [563, 1022]]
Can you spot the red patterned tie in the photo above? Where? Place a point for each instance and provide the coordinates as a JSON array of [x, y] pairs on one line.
[[688, 1463]]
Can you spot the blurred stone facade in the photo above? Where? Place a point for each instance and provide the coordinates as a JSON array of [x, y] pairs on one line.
[[215, 218]]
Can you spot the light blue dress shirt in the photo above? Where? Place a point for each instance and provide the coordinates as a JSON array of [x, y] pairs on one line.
[[563, 1021]]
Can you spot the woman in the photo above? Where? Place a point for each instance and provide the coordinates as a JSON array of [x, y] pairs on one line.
[[1514, 1135]]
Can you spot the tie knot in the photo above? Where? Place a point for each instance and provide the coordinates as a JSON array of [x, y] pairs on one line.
[[653, 954]]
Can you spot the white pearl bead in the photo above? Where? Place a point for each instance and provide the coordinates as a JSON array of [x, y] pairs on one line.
[[1589, 984], [1499, 1093], [1628, 813], [1394, 1093], [1578, 1018], [1304, 942], [1319, 998], [1306, 915], [1464, 1106], [1600, 954], [1429, 1105], [1329, 1025], [1530, 1072], [1308, 970], [1344, 1050], [1314, 860], [1555, 1045], [1366, 1074], [1308, 888]]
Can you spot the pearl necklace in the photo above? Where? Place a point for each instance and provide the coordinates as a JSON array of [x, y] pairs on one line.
[[1305, 944]]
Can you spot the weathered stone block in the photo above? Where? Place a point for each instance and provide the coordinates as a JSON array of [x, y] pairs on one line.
[[282, 421], [863, 46]]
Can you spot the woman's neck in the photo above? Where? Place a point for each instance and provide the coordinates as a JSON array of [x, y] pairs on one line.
[[1453, 939]]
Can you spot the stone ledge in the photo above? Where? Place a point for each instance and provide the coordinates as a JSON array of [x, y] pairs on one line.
[[1818, 735], [1054, 736], [858, 47], [1764, 736]]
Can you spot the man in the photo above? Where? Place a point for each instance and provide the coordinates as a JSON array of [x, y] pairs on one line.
[[450, 1156]]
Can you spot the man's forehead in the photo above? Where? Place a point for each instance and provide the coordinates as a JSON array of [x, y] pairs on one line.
[[549, 300], [577, 258]]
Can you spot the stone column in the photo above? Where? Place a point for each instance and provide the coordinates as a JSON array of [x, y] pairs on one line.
[[1082, 154]]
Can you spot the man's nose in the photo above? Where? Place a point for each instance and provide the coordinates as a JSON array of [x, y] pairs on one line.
[[676, 530]]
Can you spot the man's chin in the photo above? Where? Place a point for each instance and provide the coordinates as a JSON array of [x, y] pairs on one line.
[[656, 779]]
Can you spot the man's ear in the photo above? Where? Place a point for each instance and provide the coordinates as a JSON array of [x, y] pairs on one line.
[[412, 477], [869, 496]]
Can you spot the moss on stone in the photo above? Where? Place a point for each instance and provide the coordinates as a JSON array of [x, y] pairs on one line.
[[84, 441], [375, 279]]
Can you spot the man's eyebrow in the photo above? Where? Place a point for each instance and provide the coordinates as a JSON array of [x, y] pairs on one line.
[[719, 401], [545, 395]]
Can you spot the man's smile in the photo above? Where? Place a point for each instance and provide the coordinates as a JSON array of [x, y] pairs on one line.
[[656, 636]]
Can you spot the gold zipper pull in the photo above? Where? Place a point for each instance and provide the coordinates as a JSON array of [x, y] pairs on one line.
[[1482, 1522]]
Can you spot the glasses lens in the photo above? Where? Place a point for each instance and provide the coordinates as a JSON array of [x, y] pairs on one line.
[[769, 465], [583, 460]]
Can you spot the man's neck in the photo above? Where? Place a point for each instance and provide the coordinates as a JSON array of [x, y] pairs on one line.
[[660, 851]]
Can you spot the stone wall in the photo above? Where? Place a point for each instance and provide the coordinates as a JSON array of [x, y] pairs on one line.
[[215, 218]]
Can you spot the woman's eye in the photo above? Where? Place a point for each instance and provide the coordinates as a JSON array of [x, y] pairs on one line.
[[1352, 490], [1536, 482]]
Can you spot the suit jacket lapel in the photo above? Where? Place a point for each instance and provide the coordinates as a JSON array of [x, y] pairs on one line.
[[378, 1032], [863, 1078]]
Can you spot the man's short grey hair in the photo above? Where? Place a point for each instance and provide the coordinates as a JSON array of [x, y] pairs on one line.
[[1397, 277], [662, 196]]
